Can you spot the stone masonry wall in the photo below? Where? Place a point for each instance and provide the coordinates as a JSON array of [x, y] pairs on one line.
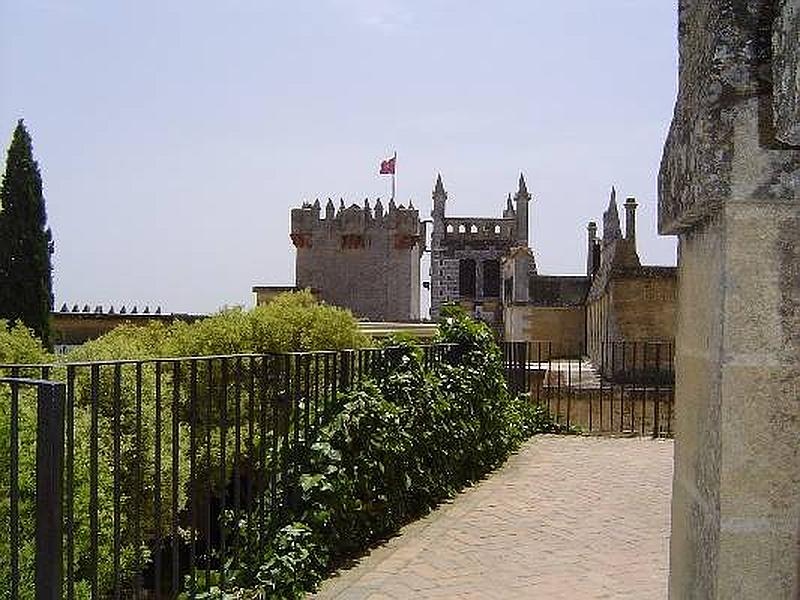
[[729, 187], [645, 307]]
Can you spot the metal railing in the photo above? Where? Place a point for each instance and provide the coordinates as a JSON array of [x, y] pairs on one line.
[[637, 399], [48, 481], [165, 460]]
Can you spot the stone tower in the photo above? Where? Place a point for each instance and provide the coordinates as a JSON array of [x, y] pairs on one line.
[[466, 253], [360, 258]]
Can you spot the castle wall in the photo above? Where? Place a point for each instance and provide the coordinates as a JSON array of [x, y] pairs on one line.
[[563, 327], [645, 307]]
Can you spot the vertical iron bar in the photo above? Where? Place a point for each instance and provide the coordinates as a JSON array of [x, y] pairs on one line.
[[49, 473], [600, 407], [157, 481], [569, 390], [296, 412], [286, 407], [251, 422], [335, 382], [223, 430], [237, 451], [316, 394], [274, 459], [14, 484], [306, 360], [656, 407], [117, 481], [208, 470], [174, 422], [193, 476], [538, 371], [137, 531], [93, 496], [70, 482], [262, 472], [548, 377]]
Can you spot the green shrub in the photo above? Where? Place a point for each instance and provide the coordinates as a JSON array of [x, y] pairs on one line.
[[292, 321], [400, 444]]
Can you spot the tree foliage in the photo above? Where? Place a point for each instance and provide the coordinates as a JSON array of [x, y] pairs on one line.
[[26, 243]]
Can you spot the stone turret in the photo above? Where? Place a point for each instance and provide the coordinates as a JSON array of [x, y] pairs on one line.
[[630, 220], [592, 258], [522, 199]]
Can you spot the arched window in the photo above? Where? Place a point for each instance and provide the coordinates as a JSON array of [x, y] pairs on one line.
[[462, 229], [466, 277], [491, 277]]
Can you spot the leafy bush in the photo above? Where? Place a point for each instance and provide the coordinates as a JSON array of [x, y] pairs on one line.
[[291, 322], [19, 345], [399, 445]]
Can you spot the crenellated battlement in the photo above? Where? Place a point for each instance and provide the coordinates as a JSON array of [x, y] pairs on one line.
[[354, 219]]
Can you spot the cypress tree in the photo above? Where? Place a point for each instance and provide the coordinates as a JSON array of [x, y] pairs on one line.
[[25, 241]]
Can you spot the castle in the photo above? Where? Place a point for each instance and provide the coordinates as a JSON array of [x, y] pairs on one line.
[[368, 260], [362, 258]]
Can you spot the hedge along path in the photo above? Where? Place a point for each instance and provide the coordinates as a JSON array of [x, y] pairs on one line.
[[567, 517]]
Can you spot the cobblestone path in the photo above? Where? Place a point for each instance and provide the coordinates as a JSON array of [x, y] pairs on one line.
[[566, 518]]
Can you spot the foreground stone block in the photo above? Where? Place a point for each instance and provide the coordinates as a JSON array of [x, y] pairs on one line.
[[728, 188]]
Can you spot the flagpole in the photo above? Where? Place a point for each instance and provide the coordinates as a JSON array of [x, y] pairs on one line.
[[394, 172]]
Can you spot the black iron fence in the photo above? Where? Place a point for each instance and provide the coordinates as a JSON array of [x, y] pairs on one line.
[[635, 361], [166, 470], [632, 395]]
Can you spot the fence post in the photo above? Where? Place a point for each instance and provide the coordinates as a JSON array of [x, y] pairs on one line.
[[49, 471]]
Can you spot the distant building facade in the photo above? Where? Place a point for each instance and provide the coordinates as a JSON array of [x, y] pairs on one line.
[[618, 300], [628, 301], [362, 258], [466, 254]]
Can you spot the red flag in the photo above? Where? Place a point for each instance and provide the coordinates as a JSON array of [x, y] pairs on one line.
[[387, 166]]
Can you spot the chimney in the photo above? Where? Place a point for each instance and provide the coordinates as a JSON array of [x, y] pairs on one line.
[[630, 220], [590, 252]]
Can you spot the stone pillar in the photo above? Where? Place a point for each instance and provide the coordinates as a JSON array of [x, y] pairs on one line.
[[630, 221], [728, 188], [590, 250]]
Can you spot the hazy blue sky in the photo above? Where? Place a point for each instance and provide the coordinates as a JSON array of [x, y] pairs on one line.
[[174, 137]]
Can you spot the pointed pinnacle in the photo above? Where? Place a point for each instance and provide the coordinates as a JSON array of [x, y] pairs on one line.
[[522, 186], [438, 189]]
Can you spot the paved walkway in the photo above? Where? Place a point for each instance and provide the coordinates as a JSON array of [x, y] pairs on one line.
[[566, 518]]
